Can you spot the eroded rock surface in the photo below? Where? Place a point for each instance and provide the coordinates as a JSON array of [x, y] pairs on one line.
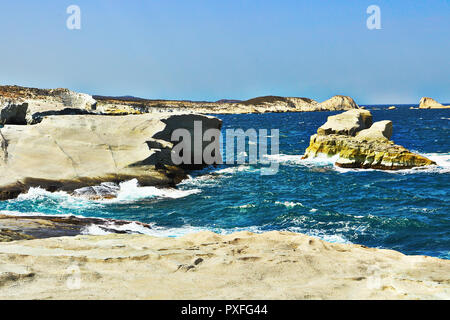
[[272, 265], [46, 102], [71, 152], [360, 144]]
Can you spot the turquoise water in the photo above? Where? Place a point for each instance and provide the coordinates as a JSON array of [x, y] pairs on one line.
[[406, 210]]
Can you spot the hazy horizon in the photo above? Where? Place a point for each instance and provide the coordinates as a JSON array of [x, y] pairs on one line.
[[207, 51]]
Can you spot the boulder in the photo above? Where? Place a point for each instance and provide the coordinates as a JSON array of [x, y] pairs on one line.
[[71, 152], [378, 130], [13, 111], [338, 103], [359, 145], [59, 102], [23, 227], [46, 102], [429, 103], [347, 123]]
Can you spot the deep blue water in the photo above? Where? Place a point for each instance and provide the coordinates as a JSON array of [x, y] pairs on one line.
[[407, 210]]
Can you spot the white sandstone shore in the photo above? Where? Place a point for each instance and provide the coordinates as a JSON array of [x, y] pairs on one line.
[[205, 265]]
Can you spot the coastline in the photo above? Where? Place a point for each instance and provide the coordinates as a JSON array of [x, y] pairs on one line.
[[44, 257], [205, 265]]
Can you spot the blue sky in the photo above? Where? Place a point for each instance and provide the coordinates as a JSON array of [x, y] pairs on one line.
[[209, 50]]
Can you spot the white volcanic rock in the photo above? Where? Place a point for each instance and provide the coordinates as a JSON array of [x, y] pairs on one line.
[[205, 265], [46, 102], [378, 130], [338, 103], [70, 152], [358, 143], [429, 103], [346, 123]]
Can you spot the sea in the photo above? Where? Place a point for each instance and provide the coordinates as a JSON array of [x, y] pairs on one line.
[[405, 210]]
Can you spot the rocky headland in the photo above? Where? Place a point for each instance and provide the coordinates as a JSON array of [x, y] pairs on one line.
[[66, 152], [21, 105], [255, 105], [58, 139], [357, 142], [430, 103]]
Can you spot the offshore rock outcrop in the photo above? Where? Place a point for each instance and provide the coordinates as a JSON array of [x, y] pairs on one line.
[[429, 103], [71, 152], [338, 103], [357, 143]]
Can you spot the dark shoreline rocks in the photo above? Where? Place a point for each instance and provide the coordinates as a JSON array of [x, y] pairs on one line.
[[14, 228]]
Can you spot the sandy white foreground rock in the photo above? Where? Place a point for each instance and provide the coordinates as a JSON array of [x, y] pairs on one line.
[[273, 265]]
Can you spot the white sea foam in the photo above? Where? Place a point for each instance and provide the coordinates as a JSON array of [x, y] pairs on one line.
[[94, 230], [131, 227], [127, 191], [39, 193], [164, 232], [284, 158], [36, 214], [245, 206], [442, 165], [130, 190], [320, 160], [289, 204], [334, 238], [234, 169]]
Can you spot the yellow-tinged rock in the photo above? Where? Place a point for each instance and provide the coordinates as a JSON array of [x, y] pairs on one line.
[[369, 148]]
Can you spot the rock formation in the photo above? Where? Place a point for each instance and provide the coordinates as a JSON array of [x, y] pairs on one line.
[[205, 265], [338, 103], [13, 111], [360, 144], [255, 105], [14, 228], [43, 102], [429, 103], [70, 152]]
